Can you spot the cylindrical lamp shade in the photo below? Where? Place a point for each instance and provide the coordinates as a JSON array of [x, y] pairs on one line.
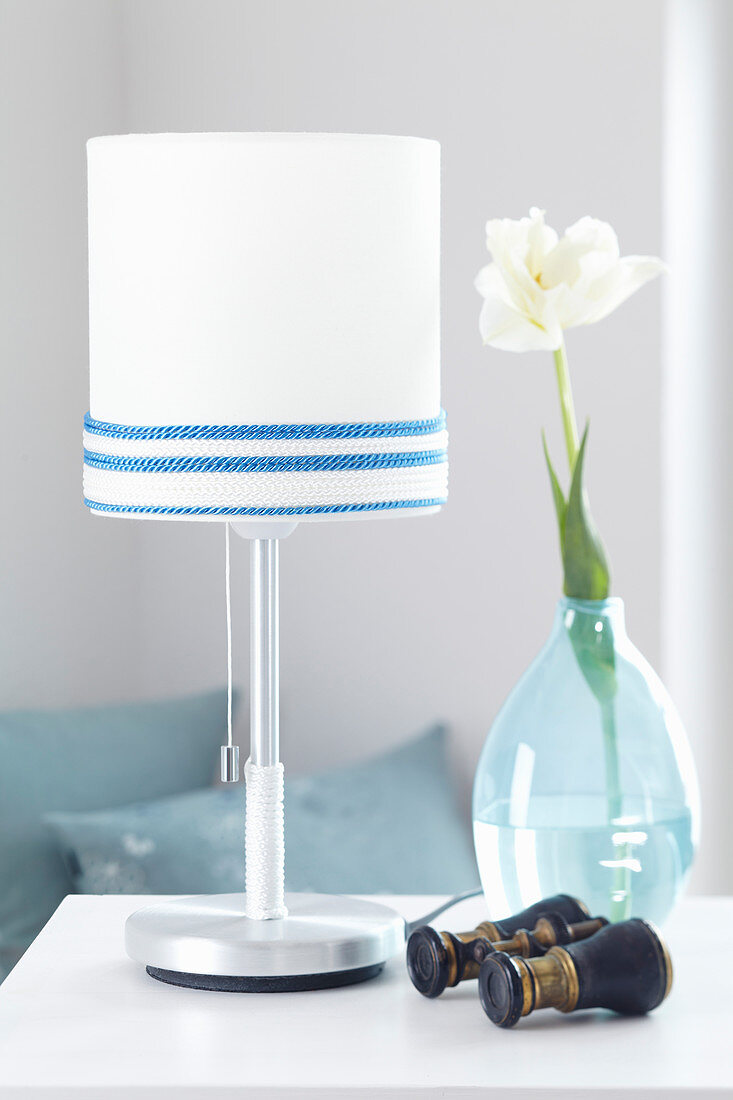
[[264, 326]]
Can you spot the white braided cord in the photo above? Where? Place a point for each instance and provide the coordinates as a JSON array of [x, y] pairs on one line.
[[267, 489], [264, 843], [265, 448]]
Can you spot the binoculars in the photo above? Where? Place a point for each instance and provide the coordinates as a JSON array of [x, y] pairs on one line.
[[551, 955], [437, 960]]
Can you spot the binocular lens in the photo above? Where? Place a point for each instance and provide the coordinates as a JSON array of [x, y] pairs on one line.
[[500, 990], [426, 959]]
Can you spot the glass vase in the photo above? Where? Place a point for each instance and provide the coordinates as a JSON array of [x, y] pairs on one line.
[[586, 784]]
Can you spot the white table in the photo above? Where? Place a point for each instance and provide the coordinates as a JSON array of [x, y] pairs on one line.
[[79, 1020]]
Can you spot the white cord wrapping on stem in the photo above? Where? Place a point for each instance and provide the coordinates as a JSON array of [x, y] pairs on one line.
[[265, 842]]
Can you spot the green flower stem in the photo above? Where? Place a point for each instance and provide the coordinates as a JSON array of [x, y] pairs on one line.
[[591, 584], [610, 748], [621, 889], [567, 406]]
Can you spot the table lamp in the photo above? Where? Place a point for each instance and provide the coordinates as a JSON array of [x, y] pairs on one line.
[[264, 351]]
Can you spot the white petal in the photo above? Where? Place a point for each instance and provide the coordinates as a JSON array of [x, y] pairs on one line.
[[512, 284], [569, 306], [618, 284], [503, 327], [503, 234], [506, 232], [524, 290], [594, 235], [588, 241], [541, 239], [538, 285], [489, 281], [519, 247], [549, 319], [529, 235], [561, 266]]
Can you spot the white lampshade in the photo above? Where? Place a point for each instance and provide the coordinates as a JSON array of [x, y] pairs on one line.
[[264, 326]]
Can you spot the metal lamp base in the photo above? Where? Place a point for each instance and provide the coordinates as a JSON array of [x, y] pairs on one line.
[[207, 942]]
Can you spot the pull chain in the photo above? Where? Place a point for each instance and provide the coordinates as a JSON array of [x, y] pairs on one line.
[[230, 751]]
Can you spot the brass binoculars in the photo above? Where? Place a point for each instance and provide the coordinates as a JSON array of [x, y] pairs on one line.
[[437, 960], [551, 955], [624, 967]]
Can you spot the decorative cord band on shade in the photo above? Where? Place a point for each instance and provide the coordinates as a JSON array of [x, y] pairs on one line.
[[265, 470], [282, 464], [267, 431], [315, 510]]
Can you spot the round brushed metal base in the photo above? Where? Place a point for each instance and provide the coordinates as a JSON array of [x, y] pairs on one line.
[[207, 942]]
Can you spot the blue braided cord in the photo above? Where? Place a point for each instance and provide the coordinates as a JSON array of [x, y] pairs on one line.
[[278, 463], [305, 510], [364, 430]]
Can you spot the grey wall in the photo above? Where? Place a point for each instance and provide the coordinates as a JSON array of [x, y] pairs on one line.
[[386, 625], [68, 584]]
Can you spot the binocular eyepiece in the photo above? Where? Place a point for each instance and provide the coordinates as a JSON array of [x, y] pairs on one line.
[[437, 960], [624, 967]]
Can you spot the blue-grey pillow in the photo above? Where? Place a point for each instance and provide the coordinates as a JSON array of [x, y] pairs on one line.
[[86, 759], [388, 825]]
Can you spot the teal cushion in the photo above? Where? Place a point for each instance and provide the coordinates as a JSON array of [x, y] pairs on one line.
[[389, 825], [85, 760]]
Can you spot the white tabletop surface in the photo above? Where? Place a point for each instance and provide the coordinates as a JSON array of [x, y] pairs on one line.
[[78, 1019]]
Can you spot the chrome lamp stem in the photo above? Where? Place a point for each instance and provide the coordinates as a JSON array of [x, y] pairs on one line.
[[264, 652]]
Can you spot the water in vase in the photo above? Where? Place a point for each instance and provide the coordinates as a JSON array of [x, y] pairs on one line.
[[636, 866], [586, 783]]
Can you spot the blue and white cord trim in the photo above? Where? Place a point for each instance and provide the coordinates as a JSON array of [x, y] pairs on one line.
[[267, 431], [246, 465], [265, 470]]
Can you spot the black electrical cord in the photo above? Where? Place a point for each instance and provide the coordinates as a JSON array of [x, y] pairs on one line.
[[428, 917]]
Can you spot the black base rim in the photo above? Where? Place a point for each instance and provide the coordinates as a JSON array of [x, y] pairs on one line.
[[292, 983]]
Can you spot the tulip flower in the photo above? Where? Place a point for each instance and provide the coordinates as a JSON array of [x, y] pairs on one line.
[[538, 285]]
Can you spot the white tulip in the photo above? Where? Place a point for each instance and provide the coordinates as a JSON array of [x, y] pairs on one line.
[[540, 284]]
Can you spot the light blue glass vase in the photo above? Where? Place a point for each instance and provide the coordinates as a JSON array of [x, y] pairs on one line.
[[586, 784]]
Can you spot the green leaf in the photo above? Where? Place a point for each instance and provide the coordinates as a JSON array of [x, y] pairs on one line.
[[557, 495], [587, 575], [593, 643]]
